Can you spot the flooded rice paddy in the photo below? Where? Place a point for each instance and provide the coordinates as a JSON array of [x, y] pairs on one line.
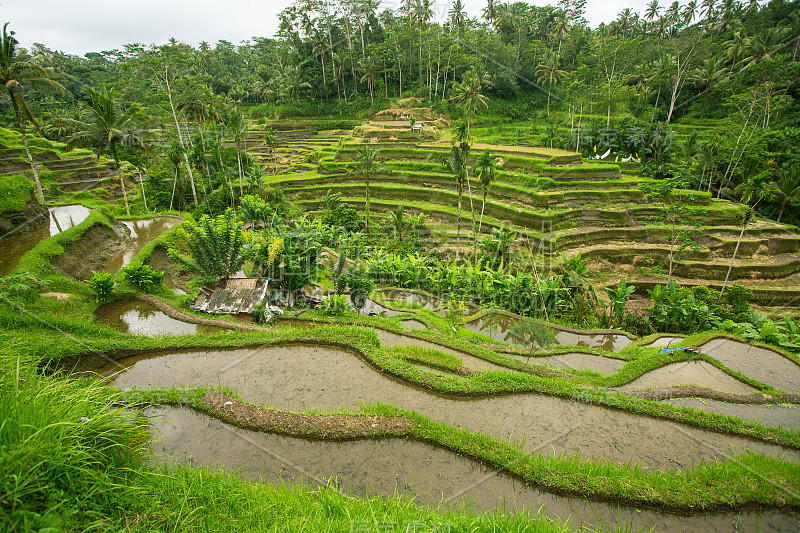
[[700, 373], [785, 416], [430, 475], [25, 239], [501, 327], [306, 377], [756, 363], [142, 318], [143, 232]]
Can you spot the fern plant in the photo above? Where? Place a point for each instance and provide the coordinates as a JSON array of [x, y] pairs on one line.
[[102, 283], [143, 276]]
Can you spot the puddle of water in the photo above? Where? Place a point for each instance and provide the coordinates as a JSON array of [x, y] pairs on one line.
[[142, 318], [413, 324], [430, 475], [64, 217], [757, 363], [143, 232], [499, 327], [698, 373], [785, 416], [300, 377]]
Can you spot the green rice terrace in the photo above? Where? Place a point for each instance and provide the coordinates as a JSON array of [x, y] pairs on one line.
[[344, 294]]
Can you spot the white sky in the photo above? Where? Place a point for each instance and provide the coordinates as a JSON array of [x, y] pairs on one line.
[[80, 26]]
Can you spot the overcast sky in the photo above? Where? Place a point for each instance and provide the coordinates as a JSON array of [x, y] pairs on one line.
[[80, 26]]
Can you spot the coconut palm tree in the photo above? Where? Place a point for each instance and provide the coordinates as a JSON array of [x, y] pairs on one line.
[[468, 94], [485, 170], [104, 125], [16, 74], [367, 166], [549, 74], [653, 11]]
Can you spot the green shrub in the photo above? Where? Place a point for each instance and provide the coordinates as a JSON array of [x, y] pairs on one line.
[[143, 276], [260, 314], [334, 305], [102, 283]]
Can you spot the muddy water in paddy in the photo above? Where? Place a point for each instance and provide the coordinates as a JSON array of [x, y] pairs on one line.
[[15, 246], [475, 363], [143, 232], [664, 342], [413, 324], [431, 475], [142, 318], [700, 373], [785, 416], [756, 363], [499, 326], [305, 377], [604, 365]]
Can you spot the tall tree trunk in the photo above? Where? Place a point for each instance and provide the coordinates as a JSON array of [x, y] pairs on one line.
[[366, 203], [483, 206], [122, 183], [180, 138], [458, 224], [736, 250], [39, 193]]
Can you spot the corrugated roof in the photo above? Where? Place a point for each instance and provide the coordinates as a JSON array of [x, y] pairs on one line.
[[236, 296]]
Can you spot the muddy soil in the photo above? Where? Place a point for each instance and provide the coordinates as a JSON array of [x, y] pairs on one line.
[[785, 416], [142, 233], [432, 476], [15, 223], [91, 251], [700, 373], [756, 363], [306, 377], [141, 318], [174, 277]]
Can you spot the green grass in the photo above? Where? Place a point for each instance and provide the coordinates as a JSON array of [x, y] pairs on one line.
[[15, 192]]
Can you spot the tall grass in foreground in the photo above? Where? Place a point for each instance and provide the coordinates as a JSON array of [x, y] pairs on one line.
[[65, 451]]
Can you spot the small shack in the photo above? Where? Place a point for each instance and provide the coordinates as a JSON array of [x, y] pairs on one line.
[[416, 128], [232, 296]]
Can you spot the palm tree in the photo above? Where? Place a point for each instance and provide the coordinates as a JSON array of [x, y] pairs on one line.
[[787, 187], [291, 83], [237, 126], [16, 74], [549, 74], [489, 13], [757, 187], [468, 95], [485, 170], [708, 75], [653, 10], [456, 162], [104, 126], [689, 13], [366, 165]]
